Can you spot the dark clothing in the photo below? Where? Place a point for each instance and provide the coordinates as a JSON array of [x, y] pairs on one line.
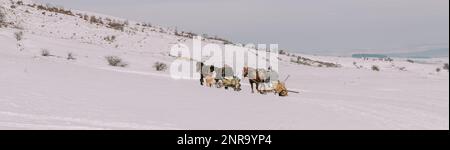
[[201, 73]]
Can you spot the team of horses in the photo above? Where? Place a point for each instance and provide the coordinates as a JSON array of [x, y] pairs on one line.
[[264, 81]]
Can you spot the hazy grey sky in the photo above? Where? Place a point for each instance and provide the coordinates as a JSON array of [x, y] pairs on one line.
[[314, 26]]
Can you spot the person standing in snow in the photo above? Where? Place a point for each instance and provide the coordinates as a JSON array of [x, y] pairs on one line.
[[213, 72], [202, 78], [210, 79]]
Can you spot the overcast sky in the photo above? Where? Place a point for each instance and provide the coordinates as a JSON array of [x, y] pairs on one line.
[[313, 26]]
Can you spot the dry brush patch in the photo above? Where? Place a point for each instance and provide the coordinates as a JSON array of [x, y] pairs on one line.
[[159, 66], [115, 61]]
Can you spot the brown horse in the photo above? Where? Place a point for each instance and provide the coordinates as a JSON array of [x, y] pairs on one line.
[[256, 79]]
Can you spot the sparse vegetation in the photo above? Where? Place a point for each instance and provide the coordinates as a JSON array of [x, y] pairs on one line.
[[402, 68], [309, 62], [225, 41], [375, 68], [116, 25], [86, 17], [95, 20], [70, 56], [31, 5], [110, 39], [330, 65], [409, 60], [159, 66], [356, 65], [115, 61], [55, 9], [18, 35], [388, 59], [191, 35], [2, 18], [45, 53], [445, 66], [438, 69]]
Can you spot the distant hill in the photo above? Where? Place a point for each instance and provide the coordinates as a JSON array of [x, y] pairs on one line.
[[369, 56], [433, 53]]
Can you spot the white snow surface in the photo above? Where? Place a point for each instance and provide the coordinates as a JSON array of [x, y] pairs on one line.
[[38, 92]]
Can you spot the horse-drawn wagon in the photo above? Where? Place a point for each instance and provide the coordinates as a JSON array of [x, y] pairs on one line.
[[276, 87], [266, 81], [230, 82], [219, 77]]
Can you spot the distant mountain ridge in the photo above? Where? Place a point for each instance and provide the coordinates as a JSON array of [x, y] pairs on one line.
[[432, 53]]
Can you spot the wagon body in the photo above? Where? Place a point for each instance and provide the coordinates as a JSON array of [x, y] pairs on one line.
[[275, 87]]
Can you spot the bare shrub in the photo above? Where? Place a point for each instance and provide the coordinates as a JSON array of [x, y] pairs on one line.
[[388, 59], [95, 20], [115, 61], [116, 26], [356, 65], [2, 13], [375, 68], [330, 65], [191, 35], [60, 10], [110, 39], [70, 56], [159, 66], [45, 53], [2, 18], [438, 69], [18, 35], [309, 62], [86, 17], [445, 66]]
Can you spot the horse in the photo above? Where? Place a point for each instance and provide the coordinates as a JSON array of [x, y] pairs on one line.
[[255, 76], [206, 71]]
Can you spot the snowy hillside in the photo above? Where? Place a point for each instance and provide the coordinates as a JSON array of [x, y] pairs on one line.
[[40, 88]]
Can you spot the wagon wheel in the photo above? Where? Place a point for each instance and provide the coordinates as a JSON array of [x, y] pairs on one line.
[[263, 92], [219, 84], [283, 93], [237, 88]]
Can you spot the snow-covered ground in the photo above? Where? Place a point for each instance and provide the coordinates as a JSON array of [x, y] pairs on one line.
[[38, 92]]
